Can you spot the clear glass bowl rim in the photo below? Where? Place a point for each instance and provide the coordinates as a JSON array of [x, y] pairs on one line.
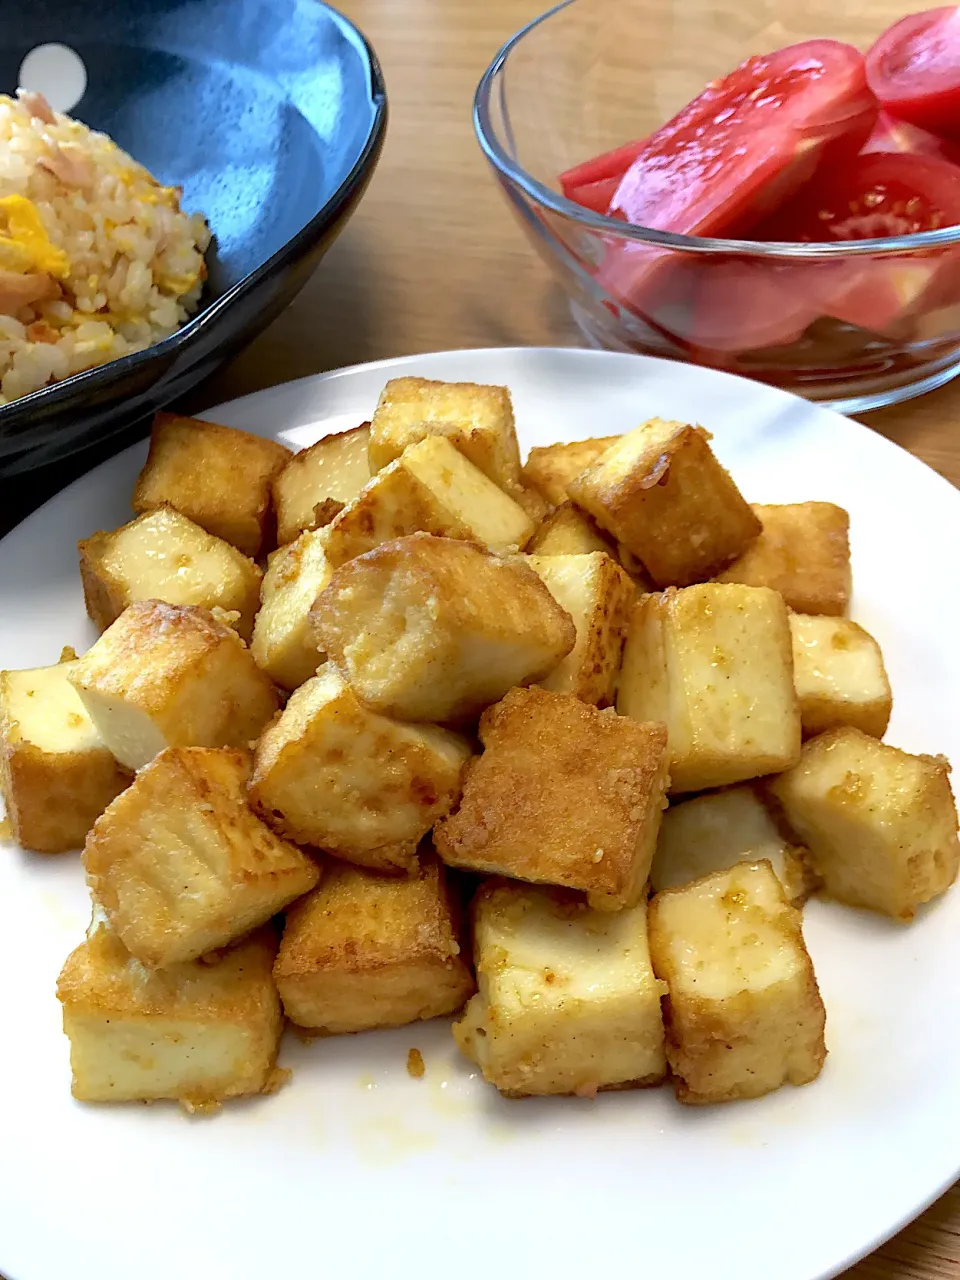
[[498, 156]]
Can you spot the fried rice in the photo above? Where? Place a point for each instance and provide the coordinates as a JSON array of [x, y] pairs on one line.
[[97, 259]]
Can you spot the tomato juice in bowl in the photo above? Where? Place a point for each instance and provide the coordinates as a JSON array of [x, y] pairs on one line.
[[726, 189]]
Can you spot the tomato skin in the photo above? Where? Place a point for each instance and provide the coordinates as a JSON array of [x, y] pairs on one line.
[[913, 69], [738, 151], [612, 164], [594, 195], [744, 304], [892, 134], [749, 140]]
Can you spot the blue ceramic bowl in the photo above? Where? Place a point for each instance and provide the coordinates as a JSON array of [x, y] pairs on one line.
[[269, 113]]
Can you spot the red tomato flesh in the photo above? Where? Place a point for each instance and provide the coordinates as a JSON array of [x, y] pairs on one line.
[[740, 149], [914, 69], [877, 195], [749, 140], [891, 134], [594, 195], [612, 164]]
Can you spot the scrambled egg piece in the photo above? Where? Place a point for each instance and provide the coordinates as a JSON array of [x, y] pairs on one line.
[[26, 246]]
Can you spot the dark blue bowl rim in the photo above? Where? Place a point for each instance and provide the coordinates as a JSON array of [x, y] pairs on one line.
[[89, 380], [599, 222]]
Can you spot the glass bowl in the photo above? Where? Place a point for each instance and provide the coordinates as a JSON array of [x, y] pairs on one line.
[[590, 75]]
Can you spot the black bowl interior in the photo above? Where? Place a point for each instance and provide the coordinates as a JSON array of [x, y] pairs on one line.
[[262, 110]]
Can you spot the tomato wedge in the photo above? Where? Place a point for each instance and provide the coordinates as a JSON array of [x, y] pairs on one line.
[[740, 149], [891, 134], [750, 140], [612, 164], [878, 195], [745, 304], [594, 195], [914, 69]]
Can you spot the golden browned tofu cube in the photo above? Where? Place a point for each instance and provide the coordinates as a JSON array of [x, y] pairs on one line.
[[168, 675], [436, 629], [804, 553], [182, 865], [840, 677], [165, 556], [567, 1000], [332, 471], [431, 488], [598, 595], [550, 468], [714, 663], [477, 419], [881, 825], [563, 794], [366, 950], [743, 1011], [712, 832], [332, 772], [284, 644], [198, 1033], [217, 476], [568, 531], [56, 774], [663, 493]]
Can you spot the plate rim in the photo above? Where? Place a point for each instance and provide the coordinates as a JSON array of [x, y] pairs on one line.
[[588, 356]]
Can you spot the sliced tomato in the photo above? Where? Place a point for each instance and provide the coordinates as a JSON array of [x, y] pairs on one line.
[[914, 69], [612, 164], [891, 134], [742, 148], [742, 304], [594, 195], [878, 195], [749, 140]]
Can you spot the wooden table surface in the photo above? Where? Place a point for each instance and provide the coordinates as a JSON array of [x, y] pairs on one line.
[[433, 260]]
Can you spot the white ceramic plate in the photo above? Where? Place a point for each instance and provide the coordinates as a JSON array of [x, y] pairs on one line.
[[354, 1170]]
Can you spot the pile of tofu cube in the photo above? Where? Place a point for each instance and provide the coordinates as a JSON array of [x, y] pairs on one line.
[[395, 728]]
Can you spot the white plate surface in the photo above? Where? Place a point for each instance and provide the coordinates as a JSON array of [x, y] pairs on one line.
[[354, 1170]]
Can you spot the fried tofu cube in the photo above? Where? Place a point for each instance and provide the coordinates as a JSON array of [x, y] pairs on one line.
[[714, 663], [563, 794], [56, 774], [333, 773], [182, 865], [662, 492], [550, 468], [165, 556], [168, 675], [284, 643], [880, 824], [712, 832], [804, 553], [198, 1033], [332, 471], [476, 419], [598, 595], [743, 1012], [567, 1001], [436, 629], [216, 476], [431, 488], [366, 950], [568, 531], [840, 677]]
